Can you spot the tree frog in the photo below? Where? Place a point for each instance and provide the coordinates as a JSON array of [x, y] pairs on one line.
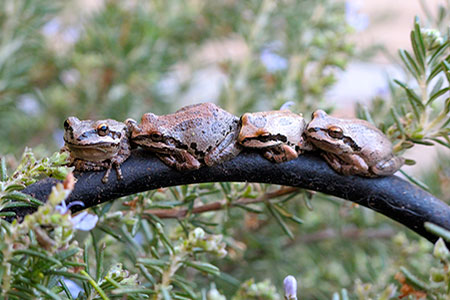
[[352, 146], [194, 135], [278, 134], [96, 145]]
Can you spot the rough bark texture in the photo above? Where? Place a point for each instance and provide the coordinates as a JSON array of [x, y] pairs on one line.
[[391, 196]]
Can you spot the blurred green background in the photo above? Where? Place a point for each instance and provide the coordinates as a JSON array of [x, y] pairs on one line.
[[119, 59]]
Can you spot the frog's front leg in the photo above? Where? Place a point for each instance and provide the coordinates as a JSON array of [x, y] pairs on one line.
[[181, 160], [280, 153], [388, 166], [226, 150], [85, 165]]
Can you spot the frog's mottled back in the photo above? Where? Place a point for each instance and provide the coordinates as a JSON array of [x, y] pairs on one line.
[[271, 128], [190, 136]]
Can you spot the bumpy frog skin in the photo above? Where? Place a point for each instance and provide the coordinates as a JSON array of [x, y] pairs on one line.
[[96, 145], [278, 134], [194, 135], [352, 146]]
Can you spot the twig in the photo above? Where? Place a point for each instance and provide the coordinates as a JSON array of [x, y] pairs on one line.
[[218, 205]]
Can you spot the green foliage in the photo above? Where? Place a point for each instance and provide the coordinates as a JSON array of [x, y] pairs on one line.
[[209, 241], [27, 172], [419, 115]]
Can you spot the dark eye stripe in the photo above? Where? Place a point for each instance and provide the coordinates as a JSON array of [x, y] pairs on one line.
[[348, 141]]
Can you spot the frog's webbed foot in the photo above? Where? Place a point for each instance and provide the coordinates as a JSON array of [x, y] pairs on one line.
[[226, 150], [388, 166], [280, 153], [181, 160]]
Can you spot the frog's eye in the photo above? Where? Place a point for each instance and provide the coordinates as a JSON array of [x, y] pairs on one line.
[[156, 136], [66, 124], [335, 132], [102, 129]]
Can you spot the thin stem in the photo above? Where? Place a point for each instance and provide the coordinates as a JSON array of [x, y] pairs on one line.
[[218, 205]]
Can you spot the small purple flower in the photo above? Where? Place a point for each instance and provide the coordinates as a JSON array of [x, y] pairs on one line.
[[290, 288], [272, 61], [52, 27], [353, 17], [63, 208], [74, 288], [84, 221]]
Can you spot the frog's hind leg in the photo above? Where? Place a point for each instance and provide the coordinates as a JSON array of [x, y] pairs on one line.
[[181, 160], [280, 154], [356, 167], [226, 150], [388, 167]]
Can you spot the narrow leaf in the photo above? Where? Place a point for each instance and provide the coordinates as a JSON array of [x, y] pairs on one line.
[[127, 291], [438, 230], [204, 267], [441, 142], [437, 86], [434, 72], [3, 171], [417, 53], [146, 274], [397, 121], [18, 196], [248, 208], [66, 289], [185, 288], [7, 214], [411, 95], [447, 69], [40, 255], [94, 284], [410, 63], [280, 220], [419, 39], [66, 274], [437, 95], [165, 293], [15, 187], [413, 279], [46, 291], [416, 181], [437, 53], [152, 262]]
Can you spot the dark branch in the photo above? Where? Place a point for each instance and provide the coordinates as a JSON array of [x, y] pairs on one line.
[[391, 196]]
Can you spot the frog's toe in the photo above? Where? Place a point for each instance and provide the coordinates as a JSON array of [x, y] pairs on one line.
[[132, 125], [106, 176]]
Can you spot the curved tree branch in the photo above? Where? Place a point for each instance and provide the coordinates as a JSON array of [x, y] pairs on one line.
[[391, 196]]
